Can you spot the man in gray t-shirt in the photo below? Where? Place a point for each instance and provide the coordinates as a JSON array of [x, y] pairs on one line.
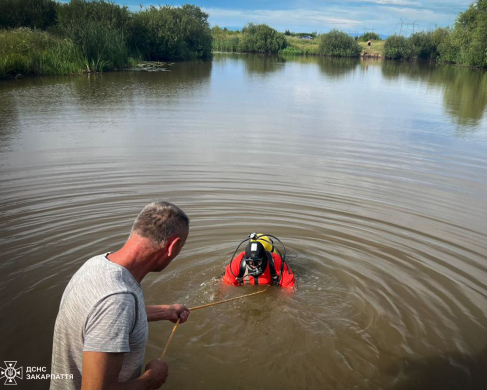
[[101, 329]]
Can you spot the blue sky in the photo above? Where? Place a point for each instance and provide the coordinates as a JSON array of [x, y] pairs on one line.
[[384, 16]]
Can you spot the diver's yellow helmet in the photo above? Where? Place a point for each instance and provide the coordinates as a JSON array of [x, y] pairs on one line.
[[267, 243]]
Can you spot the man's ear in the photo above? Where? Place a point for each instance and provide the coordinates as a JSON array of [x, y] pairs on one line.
[[173, 245]]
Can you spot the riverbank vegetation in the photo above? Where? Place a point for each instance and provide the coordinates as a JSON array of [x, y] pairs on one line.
[[369, 35], [45, 37], [465, 43], [254, 38], [376, 49], [35, 52], [338, 44], [48, 37]]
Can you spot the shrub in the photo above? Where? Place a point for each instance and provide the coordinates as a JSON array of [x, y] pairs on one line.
[[27, 13], [370, 35], [447, 48], [260, 38], [170, 33], [397, 47], [338, 44], [423, 45]]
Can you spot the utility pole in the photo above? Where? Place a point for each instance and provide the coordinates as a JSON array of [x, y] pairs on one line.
[[414, 24], [401, 26]]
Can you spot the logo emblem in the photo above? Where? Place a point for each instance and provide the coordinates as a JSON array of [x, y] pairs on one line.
[[10, 373]]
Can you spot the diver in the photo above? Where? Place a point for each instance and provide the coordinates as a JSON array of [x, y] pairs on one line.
[[261, 263]]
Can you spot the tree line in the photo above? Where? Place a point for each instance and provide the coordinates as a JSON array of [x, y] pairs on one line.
[[464, 43], [46, 37]]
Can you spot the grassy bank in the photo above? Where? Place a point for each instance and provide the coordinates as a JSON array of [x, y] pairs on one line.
[[28, 52], [264, 39], [43, 37], [299, 46], [376, 48]]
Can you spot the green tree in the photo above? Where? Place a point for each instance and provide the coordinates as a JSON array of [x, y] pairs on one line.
[[27, 13], [170, 33], [470, 35]]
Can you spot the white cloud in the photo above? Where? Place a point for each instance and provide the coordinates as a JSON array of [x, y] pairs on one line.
[[283, 19], [372, 14]]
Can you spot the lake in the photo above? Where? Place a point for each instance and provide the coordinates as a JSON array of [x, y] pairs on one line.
[[372, 173]]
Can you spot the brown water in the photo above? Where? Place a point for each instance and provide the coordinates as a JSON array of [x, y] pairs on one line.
[[373, 174]]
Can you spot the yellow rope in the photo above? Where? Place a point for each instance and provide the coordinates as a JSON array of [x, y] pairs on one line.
[[202, 307], [227, 300], [170, 338]]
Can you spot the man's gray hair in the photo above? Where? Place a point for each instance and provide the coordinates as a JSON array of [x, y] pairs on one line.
[[159, 221]]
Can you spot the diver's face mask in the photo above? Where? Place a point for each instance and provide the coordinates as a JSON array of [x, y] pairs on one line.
[[255, 256], [254, 267]]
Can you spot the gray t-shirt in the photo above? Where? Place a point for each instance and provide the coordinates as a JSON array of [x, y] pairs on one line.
[[102, 310]]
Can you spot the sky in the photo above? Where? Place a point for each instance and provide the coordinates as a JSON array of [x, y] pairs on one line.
[[353, 16]]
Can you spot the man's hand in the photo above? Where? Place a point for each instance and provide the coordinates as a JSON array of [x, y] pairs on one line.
[[157, 372], [178, 312], [167, 312]]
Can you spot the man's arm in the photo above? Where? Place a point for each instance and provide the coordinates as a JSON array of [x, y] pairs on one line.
[[167, 312], [101, 370]]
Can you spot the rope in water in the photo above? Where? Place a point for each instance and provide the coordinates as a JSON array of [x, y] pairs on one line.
[[202, 307]]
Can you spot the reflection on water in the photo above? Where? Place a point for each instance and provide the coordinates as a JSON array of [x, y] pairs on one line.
[[337, 67], [356, 165], [464, 90], [263, 64]]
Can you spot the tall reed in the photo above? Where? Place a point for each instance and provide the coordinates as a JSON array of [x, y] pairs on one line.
[[33, 52]]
